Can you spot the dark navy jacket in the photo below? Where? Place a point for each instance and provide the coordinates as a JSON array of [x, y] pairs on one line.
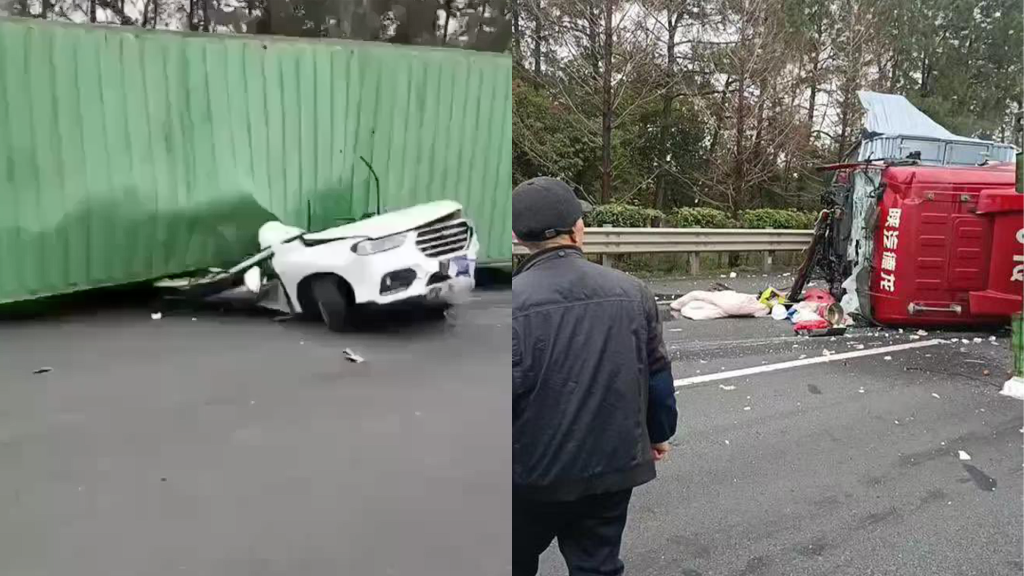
[[592, 385]]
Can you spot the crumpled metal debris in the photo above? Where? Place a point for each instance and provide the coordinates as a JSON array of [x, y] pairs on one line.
[[352, 356]]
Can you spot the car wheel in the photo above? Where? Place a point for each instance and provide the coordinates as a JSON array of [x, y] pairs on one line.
[[331, 302]]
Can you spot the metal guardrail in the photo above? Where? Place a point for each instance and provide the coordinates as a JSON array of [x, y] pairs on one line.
[[607, 241]]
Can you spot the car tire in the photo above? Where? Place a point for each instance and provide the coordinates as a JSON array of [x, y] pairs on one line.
[[331, 302]]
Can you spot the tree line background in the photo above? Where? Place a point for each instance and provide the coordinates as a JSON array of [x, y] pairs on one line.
[[471, 24], [730, 104]]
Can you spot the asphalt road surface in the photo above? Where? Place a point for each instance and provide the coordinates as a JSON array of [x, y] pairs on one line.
[[847, 468], [231, 445]]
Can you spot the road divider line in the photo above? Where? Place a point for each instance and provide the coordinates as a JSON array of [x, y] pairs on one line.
[[682, 383]]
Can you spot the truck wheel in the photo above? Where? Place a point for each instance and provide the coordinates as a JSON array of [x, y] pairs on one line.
[[331, 302]]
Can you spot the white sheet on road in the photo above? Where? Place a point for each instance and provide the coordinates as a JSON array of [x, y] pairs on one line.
[[703, 305]]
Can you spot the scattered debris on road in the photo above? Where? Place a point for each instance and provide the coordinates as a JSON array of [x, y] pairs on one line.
[[726, 388], [352, 356], [156, 315], [936, 396], [963, 455], [43, 370]]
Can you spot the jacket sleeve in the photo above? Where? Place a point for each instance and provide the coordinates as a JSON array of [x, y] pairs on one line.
[[661, 399]]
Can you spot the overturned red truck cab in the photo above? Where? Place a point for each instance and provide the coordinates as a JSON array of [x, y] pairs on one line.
[[917, 245], [948, 247], [934, 237]]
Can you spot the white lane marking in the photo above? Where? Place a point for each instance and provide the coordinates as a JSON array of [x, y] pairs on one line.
[[806, 362], [710, 346]]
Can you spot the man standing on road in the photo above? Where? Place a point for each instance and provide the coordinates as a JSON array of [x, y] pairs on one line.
[[593, 402]]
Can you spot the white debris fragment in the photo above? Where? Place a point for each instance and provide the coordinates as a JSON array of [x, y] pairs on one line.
[[897, 422], [977, 340], [43, 370], [732, 274], [915, 337], [934, 395], [156, 315], [887, 358], [676, 330], [352, 356], [861, 391], [726, 442], [746, 408], [991, 338], [922, 333], [804, 356], [827, 352], [726, 388], [786, 275], [1014, 388], [965, 341], [859, 346], [963, 455]]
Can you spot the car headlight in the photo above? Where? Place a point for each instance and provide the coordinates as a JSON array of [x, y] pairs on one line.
[[368, 247]]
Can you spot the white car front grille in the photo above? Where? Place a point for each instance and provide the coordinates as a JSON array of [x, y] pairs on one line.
[[439, 240]]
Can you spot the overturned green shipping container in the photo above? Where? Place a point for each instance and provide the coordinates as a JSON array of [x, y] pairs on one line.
[[127, 155]]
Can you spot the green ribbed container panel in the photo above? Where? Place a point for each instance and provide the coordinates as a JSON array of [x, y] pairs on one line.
[[127, 155]]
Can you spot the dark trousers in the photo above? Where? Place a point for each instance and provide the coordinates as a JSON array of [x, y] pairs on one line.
[[589, 533]]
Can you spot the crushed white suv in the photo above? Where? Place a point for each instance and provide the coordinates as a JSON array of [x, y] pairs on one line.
[[426, 253]]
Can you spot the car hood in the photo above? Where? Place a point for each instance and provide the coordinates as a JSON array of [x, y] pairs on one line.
[[389, 223]]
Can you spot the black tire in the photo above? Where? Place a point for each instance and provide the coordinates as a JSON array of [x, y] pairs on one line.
[[331, 302]]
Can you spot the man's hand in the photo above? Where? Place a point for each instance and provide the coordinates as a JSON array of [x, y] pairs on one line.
[[660, 451]]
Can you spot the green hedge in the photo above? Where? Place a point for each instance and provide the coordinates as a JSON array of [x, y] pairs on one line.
[[769, 218], [627, 216], [699, 218], [623, 216]]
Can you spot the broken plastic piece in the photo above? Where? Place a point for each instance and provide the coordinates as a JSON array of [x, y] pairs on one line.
[[726, 388], [43, 370], [1014, 388], [963, 455], [156, 315], [352, 356]]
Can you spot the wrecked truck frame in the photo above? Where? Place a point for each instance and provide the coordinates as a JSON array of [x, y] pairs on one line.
[[958, 233], [931, 233]]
